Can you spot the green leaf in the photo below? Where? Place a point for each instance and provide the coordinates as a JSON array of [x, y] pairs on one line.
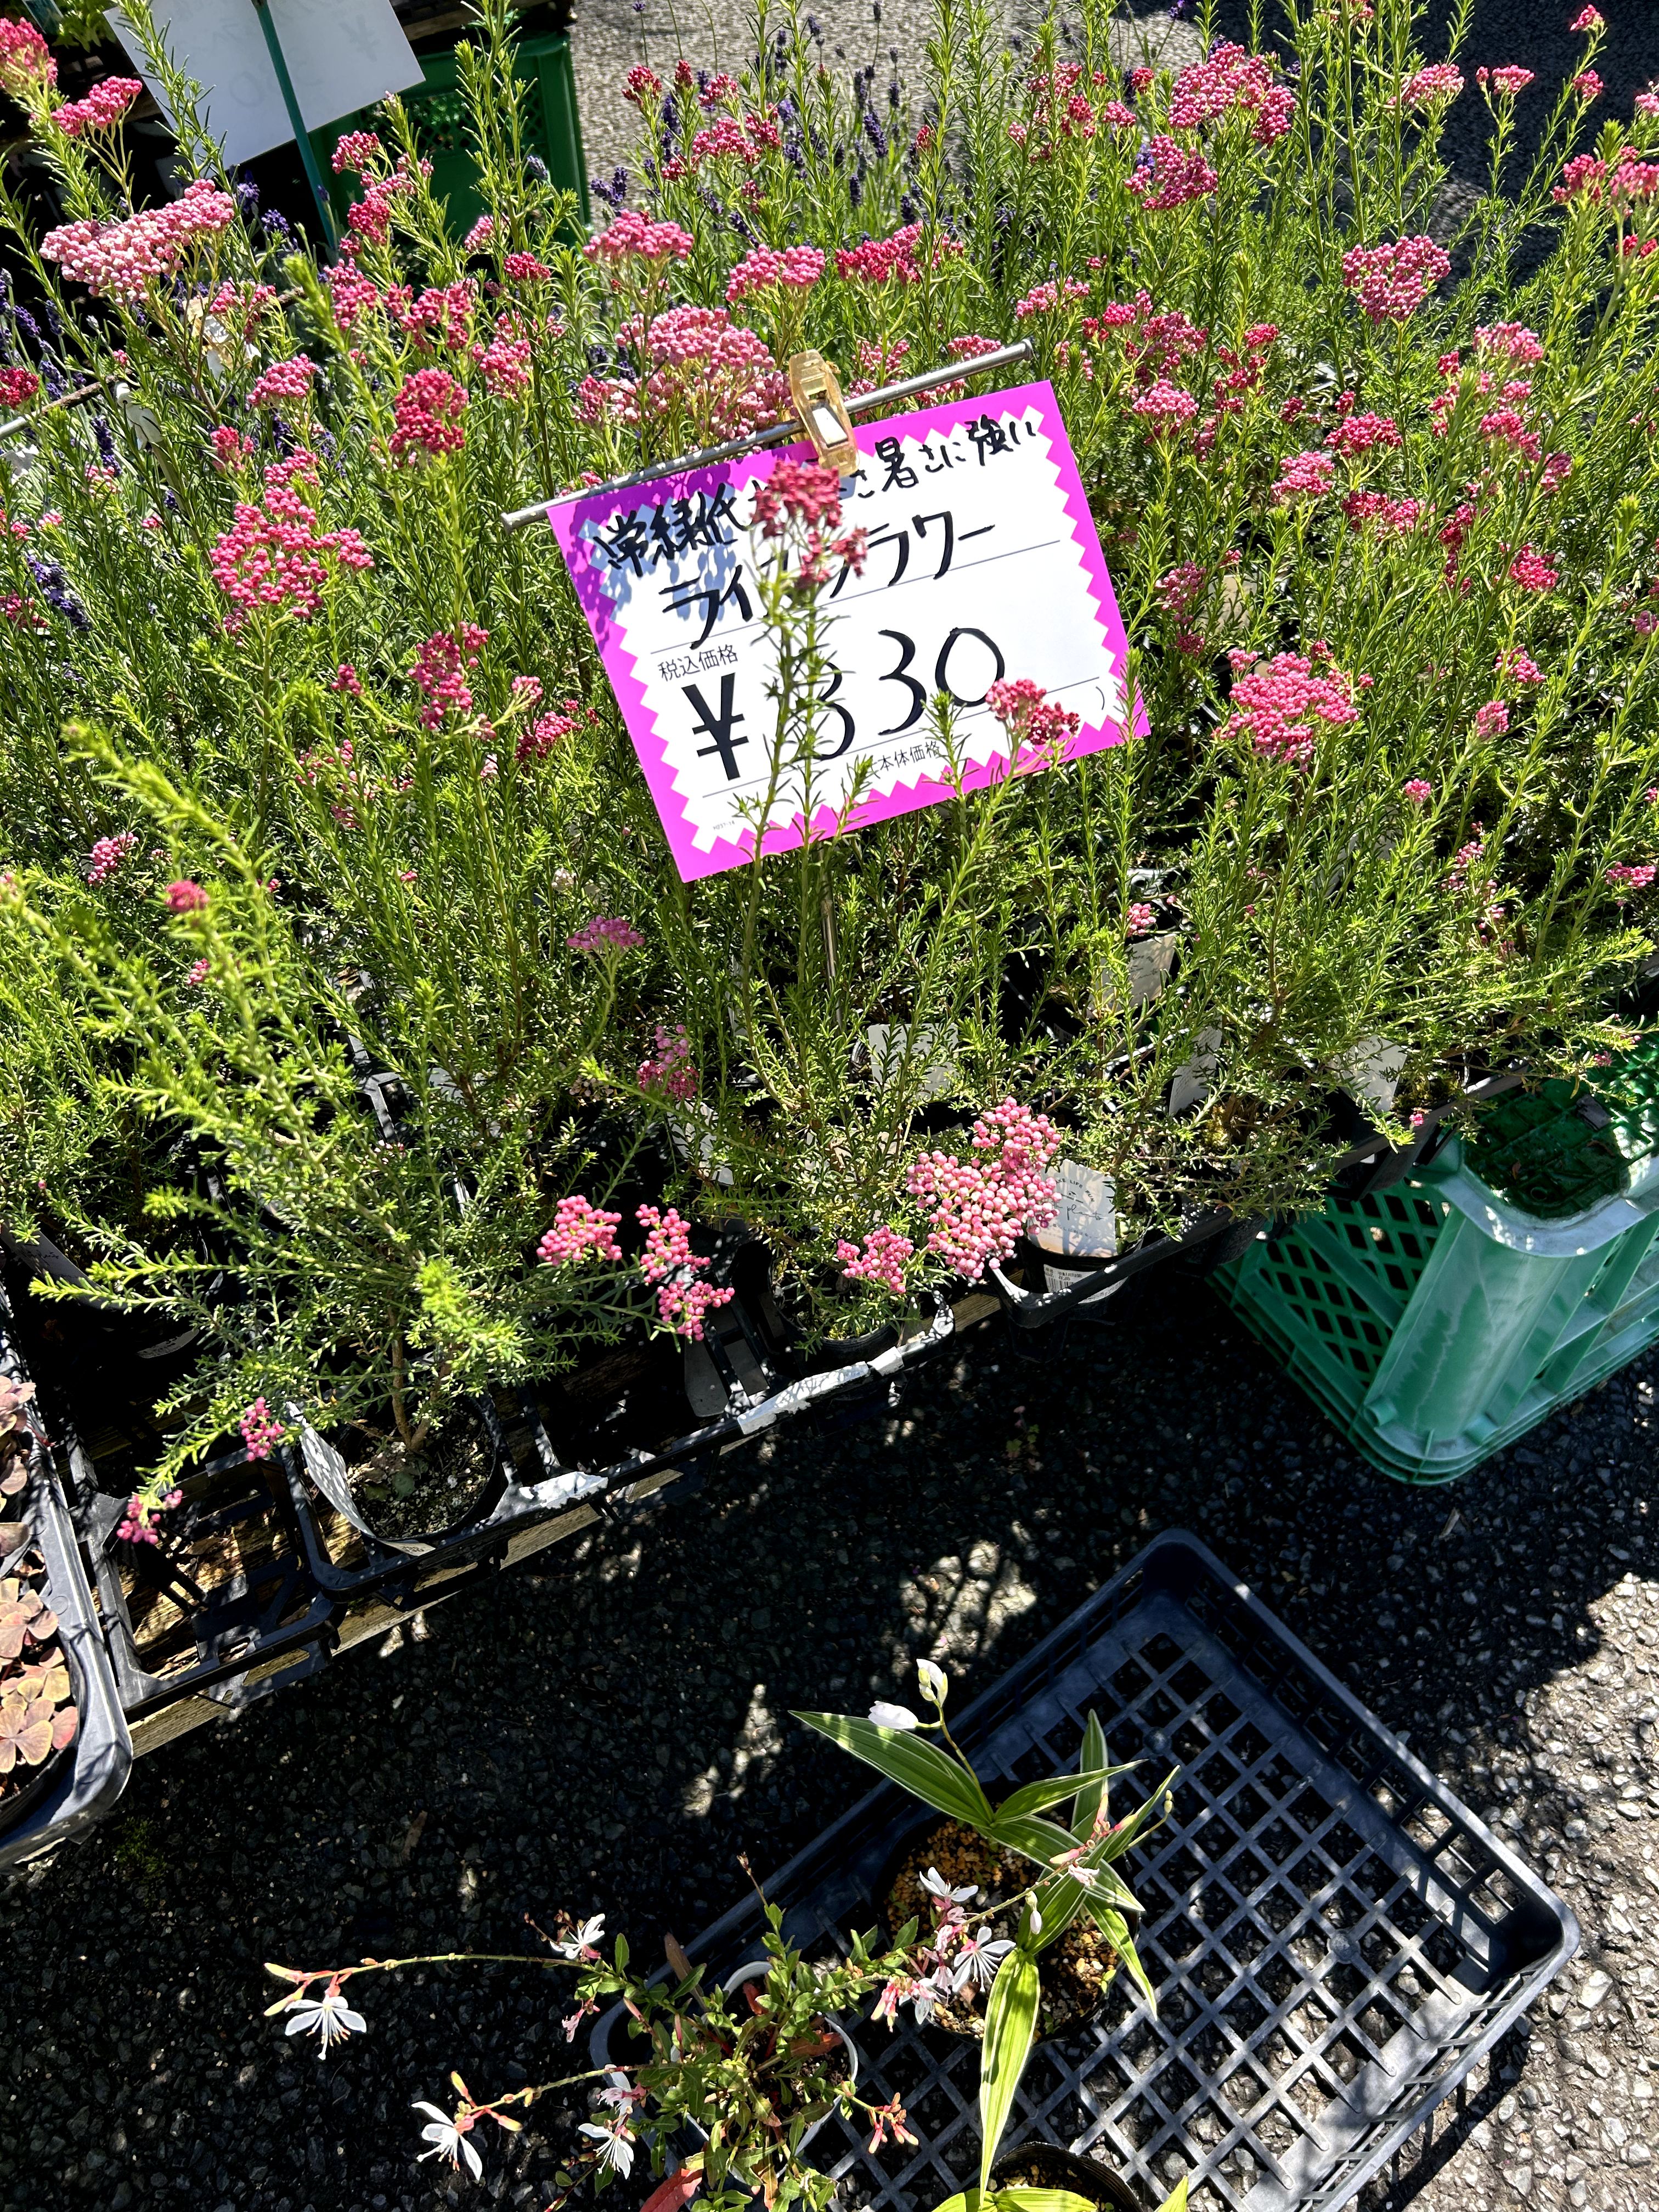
[[914, 1764], [1035, 1839], [1114, 1926], [1010, 2024], [1091, 1760], [1041, 2200], [1037, 1796], [1177, 2199]]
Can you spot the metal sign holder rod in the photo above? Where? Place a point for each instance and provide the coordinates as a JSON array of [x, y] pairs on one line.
[[778, 434]]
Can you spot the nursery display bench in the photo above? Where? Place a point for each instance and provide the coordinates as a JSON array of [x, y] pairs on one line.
[[1336, 1941]]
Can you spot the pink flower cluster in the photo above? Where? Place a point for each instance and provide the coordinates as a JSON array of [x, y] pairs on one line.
[[121, 260], [526, 269], [1392, 280], [1170, 176], [1303, 476], [368, 221], [504, 363], [1531, 571], [138, 1522], [260, 1429], [108, 855], [876, 260], [698, 363], [1164, 408], [440, 673], [763, 269], [1032, 720], [1623, 877], [1279, 708], [579, 1229], [1418, 791], [980, 1207], [543, 733], [881, 1260], [361, 152], [1363, 433], [1233, 81], [439, 320], [1493, 720], [1384, 517], [17, 386], [1428, 88], [1182, 587], [1043, 299], [1507, 83], [26, 62], [605, 934], [185, 897], [1139, 918], [274, 556], [428, 412], [797, 491], [634, 237], [669, 1070], [102, 108], [283, 380], [669, 1262]]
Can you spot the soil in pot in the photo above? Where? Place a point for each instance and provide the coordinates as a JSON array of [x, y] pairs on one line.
[[441, 1485], [1075, 1971], [1045, 2166]]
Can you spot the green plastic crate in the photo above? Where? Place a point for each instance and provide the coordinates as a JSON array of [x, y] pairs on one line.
[[551, 131], [1435, 1322]]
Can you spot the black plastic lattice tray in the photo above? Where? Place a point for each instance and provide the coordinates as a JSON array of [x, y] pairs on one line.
[[1336, 1941]]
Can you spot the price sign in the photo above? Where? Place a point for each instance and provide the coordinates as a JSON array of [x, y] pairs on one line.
[[983, 564]]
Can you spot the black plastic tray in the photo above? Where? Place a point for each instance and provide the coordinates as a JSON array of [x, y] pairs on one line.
[[1335, 1940], [91, 1779]]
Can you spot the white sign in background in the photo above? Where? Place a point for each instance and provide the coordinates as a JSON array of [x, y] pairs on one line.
[[341, 55], [978, 569]]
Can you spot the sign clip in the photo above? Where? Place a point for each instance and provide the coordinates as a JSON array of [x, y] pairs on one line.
[[815, 390]]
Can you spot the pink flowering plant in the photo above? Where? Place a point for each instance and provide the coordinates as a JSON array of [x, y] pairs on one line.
[[328, 863]]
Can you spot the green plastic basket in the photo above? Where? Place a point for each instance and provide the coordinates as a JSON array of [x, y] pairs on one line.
[[551, 131], [1435, 1322]]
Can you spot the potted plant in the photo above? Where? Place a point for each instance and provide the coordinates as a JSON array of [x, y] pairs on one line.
[[1008, 1886]]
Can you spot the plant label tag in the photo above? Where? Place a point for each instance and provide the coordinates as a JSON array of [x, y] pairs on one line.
[[982, 565]]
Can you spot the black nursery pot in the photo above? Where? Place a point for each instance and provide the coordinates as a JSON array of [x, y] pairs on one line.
[[1063, 2169]]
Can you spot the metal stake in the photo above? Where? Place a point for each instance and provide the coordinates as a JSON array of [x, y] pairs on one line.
[[778, 434], [301, 135]]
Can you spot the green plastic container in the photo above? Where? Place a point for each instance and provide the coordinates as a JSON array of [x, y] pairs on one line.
[[551, 131], [1436, 1320]]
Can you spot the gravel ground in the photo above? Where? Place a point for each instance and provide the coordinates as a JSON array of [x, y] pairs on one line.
[[608, 1734]]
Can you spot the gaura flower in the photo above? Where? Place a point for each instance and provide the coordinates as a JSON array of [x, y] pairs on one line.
[[581, 1943], [936, 1885], [617, 2151], [449, 2138], [893, 1716], [978, 1960], [329, 2014]]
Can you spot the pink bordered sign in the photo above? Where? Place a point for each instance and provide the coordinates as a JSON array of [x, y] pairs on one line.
[[983, 565]]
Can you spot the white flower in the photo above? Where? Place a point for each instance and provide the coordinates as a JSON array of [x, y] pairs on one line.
[[329, 2014], [590, 1933], [1037, 1920], [446, 2140], [618, 2150], [936, 1885], [935, 1682], [978, 1960], [893, 1716]]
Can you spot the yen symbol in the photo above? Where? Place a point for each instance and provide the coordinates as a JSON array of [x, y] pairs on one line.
[[717, 725]]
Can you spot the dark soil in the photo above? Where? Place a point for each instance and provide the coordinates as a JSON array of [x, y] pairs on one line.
[[1075, 1970], [407, 1493]]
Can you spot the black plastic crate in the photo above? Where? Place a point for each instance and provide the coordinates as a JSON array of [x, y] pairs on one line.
[[94, 1775], [1336, 1941]]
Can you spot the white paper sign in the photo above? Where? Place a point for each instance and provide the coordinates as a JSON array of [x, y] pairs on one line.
[[982, 564], [341, 55]]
